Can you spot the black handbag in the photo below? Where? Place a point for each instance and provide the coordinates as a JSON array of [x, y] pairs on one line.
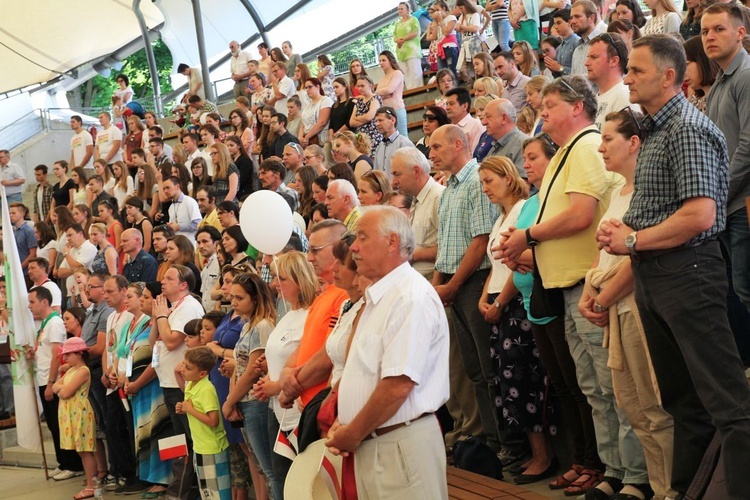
[[548, 302]]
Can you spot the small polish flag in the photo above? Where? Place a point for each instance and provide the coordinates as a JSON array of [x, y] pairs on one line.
[[286, 446], [330, 477], [173, 447]]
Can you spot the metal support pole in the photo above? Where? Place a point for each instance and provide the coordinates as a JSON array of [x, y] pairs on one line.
[[210, 95], [149, 57], [257, 20]]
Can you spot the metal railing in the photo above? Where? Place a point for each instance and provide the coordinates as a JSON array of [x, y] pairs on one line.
[[16, 133]]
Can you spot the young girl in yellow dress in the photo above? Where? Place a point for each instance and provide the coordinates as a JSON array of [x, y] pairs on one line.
[[76, 416]]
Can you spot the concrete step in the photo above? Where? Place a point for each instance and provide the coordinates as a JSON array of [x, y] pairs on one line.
[[18, 456], [12, 454]]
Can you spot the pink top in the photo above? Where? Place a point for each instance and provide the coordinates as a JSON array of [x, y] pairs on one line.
[[391, 89]]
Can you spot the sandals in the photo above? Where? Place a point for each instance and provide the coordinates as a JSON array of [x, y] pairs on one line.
[[563, 482], [588, 479], [84, 493]]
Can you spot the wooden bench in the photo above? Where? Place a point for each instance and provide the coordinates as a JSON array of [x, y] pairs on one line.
[[465, 485]]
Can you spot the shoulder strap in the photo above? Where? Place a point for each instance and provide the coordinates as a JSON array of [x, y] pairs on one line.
[[559, 169]]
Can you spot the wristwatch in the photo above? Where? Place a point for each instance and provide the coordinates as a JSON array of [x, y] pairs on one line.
[[630, 241], [598, 307], [496, 304], [531, 242]]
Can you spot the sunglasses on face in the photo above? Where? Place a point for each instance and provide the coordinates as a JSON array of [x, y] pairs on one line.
[[429, 118]]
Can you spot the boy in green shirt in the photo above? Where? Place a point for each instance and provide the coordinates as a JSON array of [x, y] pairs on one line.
[[201, 405]]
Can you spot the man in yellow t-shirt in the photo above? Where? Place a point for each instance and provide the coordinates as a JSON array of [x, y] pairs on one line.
[[565, 245]]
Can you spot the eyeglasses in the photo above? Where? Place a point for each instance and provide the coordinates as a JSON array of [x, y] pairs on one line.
[[429, 118], [629, 110], [310, 157], [308, 87], [567, 85], [91, 287], [213, 153], [316, 250]]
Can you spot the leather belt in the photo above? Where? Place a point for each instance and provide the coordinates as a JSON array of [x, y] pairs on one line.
[[385, 430]]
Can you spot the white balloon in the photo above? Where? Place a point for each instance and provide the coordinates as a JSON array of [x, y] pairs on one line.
[[266, 221]]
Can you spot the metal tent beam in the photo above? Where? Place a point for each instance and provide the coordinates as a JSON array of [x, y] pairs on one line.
[[209, 89], [257, 20], [352, 35], [149, 57]]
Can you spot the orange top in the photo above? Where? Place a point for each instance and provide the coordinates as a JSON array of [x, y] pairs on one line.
[[322, 317]]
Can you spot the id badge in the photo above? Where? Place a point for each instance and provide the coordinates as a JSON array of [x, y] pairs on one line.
[[155, 354], [129, 366]]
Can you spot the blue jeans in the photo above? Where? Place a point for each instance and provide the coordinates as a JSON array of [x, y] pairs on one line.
[[619, 447], [502, 30], [401, 124], [255, 416], [450, 61]]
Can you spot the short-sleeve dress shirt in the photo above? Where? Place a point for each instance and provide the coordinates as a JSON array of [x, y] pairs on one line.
[[403, 331], [464, 213], [684, 156]]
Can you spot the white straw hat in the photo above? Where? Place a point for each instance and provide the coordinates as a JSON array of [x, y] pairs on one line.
[[306, 478]]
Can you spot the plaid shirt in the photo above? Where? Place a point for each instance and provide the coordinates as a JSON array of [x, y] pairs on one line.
[[464, 213], [43, 211], [684, 156]]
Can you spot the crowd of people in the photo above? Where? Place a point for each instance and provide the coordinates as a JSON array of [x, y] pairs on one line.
[[563, 260]]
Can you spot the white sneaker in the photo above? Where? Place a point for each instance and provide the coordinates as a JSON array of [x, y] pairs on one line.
[[55, 472], [65, 474]]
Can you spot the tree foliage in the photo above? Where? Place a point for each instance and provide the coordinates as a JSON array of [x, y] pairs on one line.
[[98, 91]]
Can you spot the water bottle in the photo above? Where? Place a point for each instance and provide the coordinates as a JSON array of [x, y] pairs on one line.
[[97, 489]]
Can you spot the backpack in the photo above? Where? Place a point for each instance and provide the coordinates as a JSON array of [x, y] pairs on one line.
[[475, 456]]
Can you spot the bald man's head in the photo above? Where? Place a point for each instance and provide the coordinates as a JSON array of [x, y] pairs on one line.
[[132, 241]]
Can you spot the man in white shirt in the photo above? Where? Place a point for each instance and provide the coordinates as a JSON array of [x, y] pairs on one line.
[[12, 177], [396, 374], [457, 107], [410, 175], [169, 328], [606, 63], [190, 141], [114, 366], [183, 212], [195, 80], [108, 141], [80, 253], [238, 65], [282, 87], [51, 336], [206, 238], [39, 276], [81, 145]]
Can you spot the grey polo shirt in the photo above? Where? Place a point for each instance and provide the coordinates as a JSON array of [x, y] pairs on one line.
[[96, 321], [511, 145], [728, 106]]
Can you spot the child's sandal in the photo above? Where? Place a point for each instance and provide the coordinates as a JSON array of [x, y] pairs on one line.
[[84, 493]]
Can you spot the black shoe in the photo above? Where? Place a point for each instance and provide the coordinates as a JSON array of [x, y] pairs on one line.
[[133, 487], [533, 478], [517, 470], [597, 494]]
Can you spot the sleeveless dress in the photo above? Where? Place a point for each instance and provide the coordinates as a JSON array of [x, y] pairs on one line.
[[99, 264], [369, 128], [76, 417]]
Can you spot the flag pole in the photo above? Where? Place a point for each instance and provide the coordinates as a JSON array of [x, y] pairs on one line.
[[39, 421]]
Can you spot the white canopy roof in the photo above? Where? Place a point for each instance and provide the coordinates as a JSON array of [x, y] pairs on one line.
[[41, 40]]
